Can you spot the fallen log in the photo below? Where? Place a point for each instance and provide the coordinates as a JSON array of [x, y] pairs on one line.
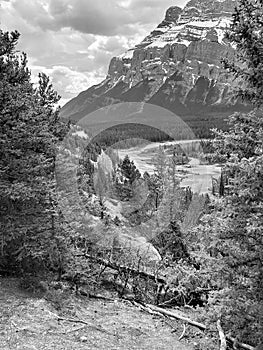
[[241, 345], [123, 268], [221, 336], [135, 272], [177, 316]]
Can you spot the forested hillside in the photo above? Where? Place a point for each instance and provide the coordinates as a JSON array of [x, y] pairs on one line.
[[76, 219]]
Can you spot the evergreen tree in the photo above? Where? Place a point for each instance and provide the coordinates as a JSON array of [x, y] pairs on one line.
[[155, 185], [174, 194], [127, 181], [221, 186], [232, 233], [29, 130], [161, 163], [129, 170], [101, 184], [246, 34], [157, 182], [170, 242]]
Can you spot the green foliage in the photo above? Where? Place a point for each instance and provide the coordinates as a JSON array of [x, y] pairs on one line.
[[101, 185], [246, 34], [126, 178], [196, 207], [170, 242], [156, 183], [130, 135], [229, 241], [32, 235], [129, 170], [156, 188]]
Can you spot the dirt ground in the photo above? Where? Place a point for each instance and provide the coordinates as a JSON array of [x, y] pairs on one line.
[[28, 322]]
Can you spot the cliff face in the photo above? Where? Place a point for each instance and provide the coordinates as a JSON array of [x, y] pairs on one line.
[[178, 66]]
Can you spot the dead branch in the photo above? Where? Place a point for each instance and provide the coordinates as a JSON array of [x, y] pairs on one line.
[[182, 335], [221, 336], [75, 329], [76, 320], [101, 297], [94, 296], [188, 307], [150, 311], [177, 316], [140, 306], [143, 307], [19, 329], [168, 302], [242, 345], [126, 269]]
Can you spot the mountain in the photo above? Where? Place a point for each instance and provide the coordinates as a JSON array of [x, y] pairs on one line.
[[177, 66]]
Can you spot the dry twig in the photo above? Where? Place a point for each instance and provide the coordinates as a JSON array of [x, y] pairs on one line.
[[75, 329], [183, 333]]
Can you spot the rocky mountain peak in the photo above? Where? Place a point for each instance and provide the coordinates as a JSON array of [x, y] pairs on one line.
[[177, 66], [172, 14], [208, 9]]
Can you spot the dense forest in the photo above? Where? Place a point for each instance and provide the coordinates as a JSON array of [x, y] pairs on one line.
[[208, 249]]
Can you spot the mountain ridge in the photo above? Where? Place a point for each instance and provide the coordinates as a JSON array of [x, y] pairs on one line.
[[177, 66]]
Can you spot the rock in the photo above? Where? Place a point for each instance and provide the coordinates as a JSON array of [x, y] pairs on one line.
[[212, 36], [207, 51], [172, 14]]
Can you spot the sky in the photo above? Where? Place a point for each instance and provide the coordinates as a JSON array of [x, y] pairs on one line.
[[73, 41]]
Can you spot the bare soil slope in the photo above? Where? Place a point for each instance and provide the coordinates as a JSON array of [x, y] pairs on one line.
[[31, 323]]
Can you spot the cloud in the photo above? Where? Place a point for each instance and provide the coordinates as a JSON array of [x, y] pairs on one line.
[[67, 82], [74, 40], [100, 17]]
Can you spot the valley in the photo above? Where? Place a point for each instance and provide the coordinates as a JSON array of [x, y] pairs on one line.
[[194, 174]]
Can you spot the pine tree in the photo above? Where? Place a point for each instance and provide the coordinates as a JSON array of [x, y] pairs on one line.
[[233, 231], [29, 130], [127, 181], [246, 34], [161, 163], [157, 182], [129, 170], [169, 242], [101, 184], [221, 186]]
